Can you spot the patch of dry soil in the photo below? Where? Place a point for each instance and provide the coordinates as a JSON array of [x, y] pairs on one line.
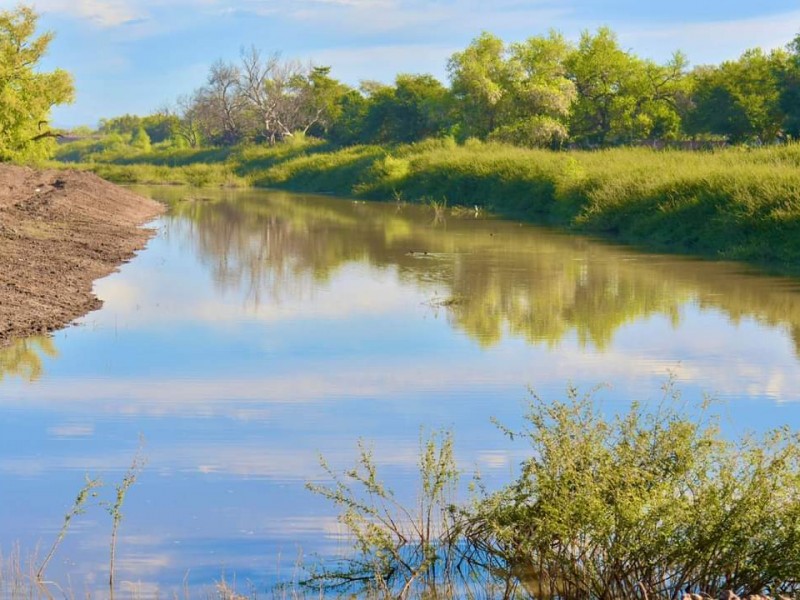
[[59, 231]]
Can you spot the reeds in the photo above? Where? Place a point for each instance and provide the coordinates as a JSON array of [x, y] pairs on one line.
[[25, 580]]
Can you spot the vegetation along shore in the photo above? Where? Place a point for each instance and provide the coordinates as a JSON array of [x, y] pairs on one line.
[[736, 203], [584, 135]]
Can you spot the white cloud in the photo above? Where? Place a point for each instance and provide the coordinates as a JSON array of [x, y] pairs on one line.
[[102, 13], [382, 63], [113, 13], [107, 13], [71, 430], [713, 41], [456, 18]]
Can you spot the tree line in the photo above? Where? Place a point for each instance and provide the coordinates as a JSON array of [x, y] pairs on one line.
[[543, 92], [546, 91]]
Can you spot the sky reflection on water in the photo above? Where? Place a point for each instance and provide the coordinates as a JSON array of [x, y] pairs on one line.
[[260, 329]]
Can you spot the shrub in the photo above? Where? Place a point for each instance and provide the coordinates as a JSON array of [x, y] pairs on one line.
[[641, 505]]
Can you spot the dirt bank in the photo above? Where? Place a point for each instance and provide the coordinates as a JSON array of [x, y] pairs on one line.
[[59, 231]]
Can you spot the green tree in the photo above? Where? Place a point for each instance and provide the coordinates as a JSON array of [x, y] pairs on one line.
[[161, 126], [26, 95], [621, 97], [377, 126], [603, 74], [663, 99], [540, 95], [415, 108], [323, 100], [790, 90], [740, 99], [348, 126], [125, 124], [519, 94], [140, 139], [422, 107], [478, 76]]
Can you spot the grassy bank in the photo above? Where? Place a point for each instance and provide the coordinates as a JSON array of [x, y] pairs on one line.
[[737, 203]]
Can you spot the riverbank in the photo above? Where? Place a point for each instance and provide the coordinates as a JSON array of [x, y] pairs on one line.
[[737, 203], [59, 231]]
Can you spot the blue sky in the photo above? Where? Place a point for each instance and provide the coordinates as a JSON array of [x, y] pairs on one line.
[[138, 55]]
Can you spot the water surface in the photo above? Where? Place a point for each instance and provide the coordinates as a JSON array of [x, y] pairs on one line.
[[259, 330]]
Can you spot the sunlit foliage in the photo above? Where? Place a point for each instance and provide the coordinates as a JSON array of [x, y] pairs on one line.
[[646, 503], [26, 94]]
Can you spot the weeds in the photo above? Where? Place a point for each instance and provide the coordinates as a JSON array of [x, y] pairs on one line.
[[15, 583], [439, 209], [399, 551], [114, 509], [642, 505], [399, 201], [78, 508]]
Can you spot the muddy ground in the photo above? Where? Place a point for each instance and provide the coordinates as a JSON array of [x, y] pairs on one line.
[[59, 231]]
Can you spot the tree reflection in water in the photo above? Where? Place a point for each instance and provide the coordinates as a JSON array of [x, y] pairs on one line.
[[505, 278], [24, 358]]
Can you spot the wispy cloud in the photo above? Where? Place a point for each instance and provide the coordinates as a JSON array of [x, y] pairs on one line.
[[71, 430], [383, 62], [445, 19], [412, 18], [101, 13], [714, 40], [107, 14], [356, 3]]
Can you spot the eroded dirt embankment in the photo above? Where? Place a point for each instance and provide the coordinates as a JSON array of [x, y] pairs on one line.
[[59, 231]]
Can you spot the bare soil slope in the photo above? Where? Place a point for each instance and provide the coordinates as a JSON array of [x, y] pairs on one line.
[[59, 231]]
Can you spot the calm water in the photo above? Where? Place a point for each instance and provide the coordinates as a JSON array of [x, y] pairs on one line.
[[260, 329]]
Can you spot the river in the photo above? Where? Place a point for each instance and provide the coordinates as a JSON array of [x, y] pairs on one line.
[[259, 330]]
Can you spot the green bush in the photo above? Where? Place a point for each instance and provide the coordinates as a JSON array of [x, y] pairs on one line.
[[650, 501], [641, 505]]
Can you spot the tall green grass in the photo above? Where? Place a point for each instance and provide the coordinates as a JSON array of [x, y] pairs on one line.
[[199, 175], [736, 203]]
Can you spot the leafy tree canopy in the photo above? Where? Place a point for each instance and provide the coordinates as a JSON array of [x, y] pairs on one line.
[[27, 95]]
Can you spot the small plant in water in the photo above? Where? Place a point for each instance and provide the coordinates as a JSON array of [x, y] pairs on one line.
[[399, 550], [115, 510], [78, 508], [399, 201], [439, 209], [13, 579]]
